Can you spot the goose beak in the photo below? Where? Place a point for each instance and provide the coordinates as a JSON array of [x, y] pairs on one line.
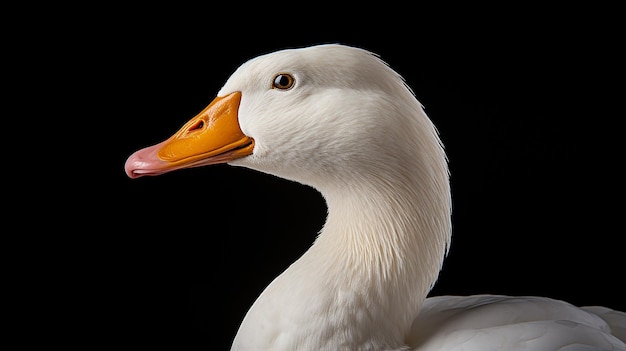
[[211, 137]]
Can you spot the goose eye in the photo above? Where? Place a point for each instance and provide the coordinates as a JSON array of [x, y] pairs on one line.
[[283, 81]]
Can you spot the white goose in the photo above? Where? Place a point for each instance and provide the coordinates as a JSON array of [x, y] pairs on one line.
[[339, 119]]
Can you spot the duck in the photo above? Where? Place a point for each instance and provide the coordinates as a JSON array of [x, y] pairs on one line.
[[340, 119]]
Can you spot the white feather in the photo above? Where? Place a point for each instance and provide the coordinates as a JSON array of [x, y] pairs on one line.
[[351, 128]]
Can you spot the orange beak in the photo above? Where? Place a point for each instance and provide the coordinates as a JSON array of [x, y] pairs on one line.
[[211, 137]]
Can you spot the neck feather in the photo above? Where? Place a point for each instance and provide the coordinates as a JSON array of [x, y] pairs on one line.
[[382, 250]]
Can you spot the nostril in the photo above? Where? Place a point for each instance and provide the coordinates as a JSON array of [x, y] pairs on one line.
[[198, 125]]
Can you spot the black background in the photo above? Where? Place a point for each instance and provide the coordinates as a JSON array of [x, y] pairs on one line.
[[522, 101]]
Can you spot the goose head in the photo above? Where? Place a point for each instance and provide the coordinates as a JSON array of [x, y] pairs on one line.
[[319, 115], [339, 119]]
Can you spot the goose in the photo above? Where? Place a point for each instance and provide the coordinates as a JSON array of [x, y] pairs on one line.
[[339, 119]]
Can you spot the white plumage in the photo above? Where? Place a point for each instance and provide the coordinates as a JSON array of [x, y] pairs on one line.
[[339, 119]]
